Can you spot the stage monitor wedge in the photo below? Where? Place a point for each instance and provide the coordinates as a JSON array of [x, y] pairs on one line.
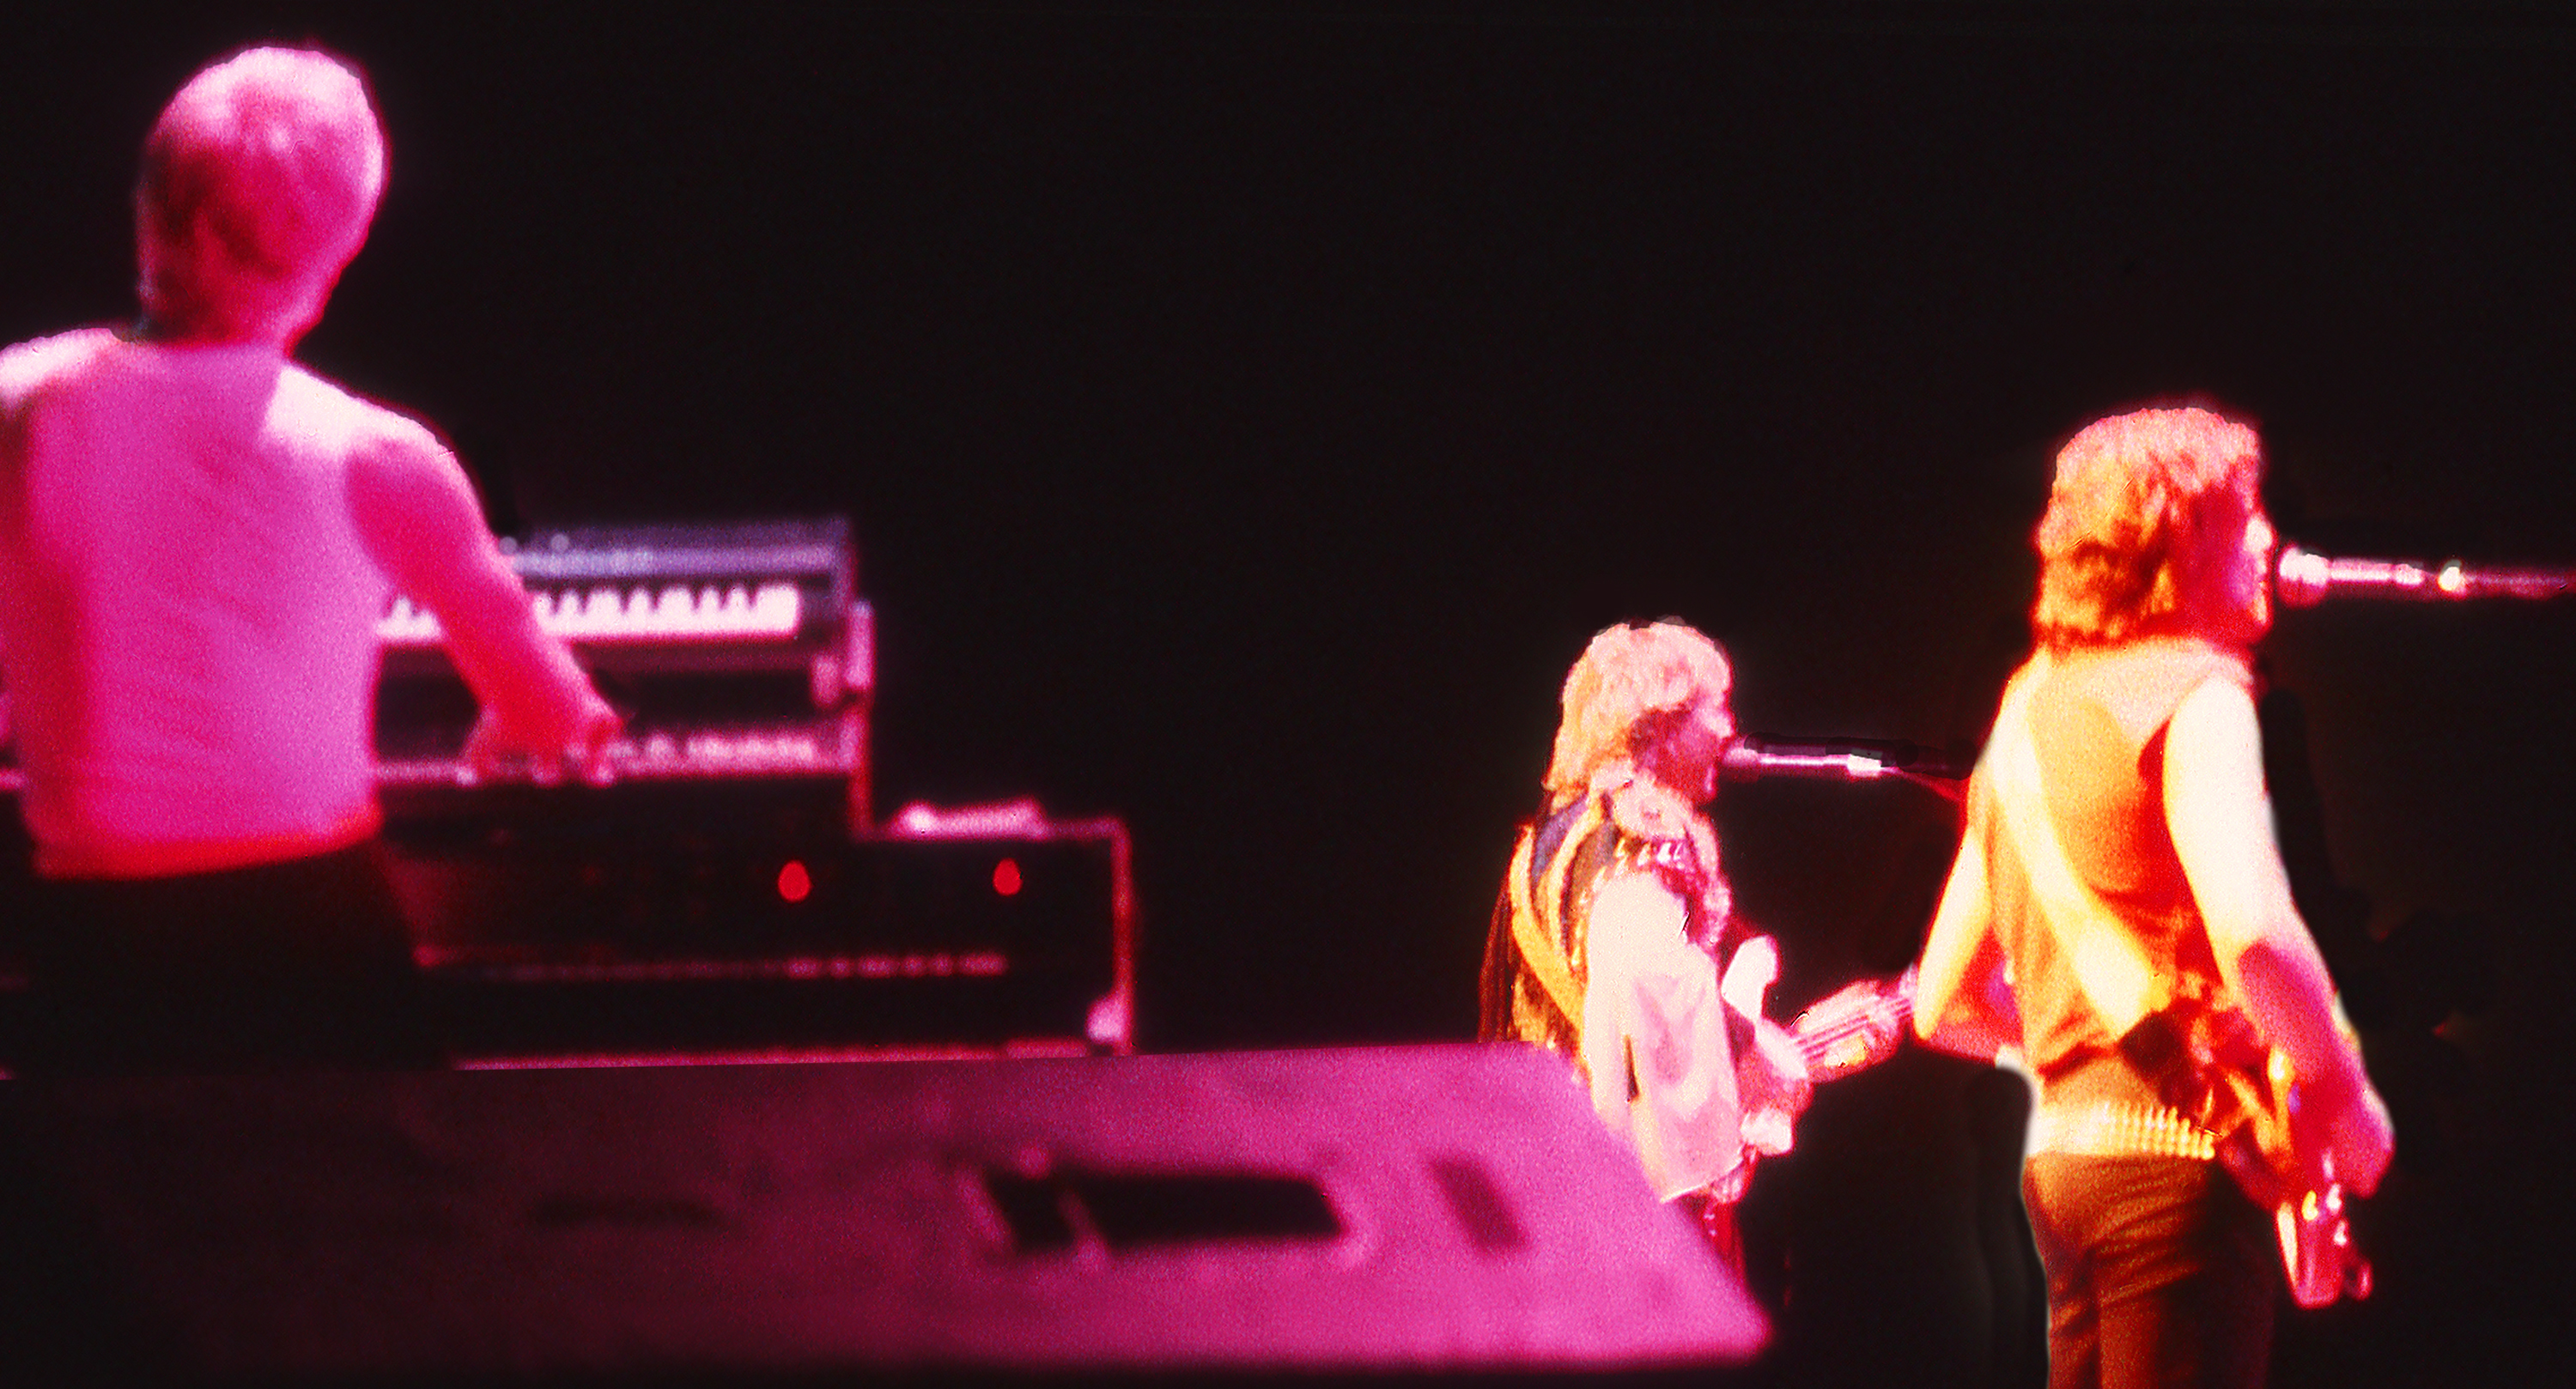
[[1427, 1211]]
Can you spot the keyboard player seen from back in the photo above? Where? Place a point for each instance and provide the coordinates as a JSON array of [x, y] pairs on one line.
[[197, 539]]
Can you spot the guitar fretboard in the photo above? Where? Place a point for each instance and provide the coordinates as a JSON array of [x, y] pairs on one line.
[[1841, 1043]]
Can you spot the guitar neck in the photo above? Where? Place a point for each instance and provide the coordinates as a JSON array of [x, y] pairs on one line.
[[1836, 1043]]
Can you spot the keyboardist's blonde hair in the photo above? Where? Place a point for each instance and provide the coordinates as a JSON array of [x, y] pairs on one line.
[[276, 154], [1631, 687]]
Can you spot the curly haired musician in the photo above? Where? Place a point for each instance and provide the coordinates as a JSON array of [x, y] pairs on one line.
[[1606, 940], [2119, 857], [197, 537]]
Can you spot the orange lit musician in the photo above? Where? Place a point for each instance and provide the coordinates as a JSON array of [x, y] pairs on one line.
[[2118, 916]]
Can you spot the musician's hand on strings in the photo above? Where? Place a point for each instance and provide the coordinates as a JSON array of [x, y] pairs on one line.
[[2368, 1140], [1857, 1026], [2350, 1128]]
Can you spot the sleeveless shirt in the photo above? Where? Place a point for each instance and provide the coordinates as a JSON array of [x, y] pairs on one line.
[[187, 610], [2099, 719]]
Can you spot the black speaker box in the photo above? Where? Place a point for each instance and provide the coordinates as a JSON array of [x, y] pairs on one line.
[[681, 939], [1433, 1212]]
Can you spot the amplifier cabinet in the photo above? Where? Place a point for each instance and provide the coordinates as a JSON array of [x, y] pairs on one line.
[[575, 923]]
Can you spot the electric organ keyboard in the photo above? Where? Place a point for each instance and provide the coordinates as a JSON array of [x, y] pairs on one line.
[[724, 888], [733, 651], [606, 612]]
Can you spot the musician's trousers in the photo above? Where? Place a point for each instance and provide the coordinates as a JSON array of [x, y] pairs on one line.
[[288, 966], [2160, 1272]]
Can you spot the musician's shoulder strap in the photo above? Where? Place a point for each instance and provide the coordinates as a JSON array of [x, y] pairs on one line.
[[2108, 967], [1535, 934]]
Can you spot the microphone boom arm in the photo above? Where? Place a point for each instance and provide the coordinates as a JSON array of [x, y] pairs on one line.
[[2303, 578], [1844, 759]]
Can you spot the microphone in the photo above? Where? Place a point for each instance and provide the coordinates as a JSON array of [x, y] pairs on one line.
[[1843, 759], [2302, 579]]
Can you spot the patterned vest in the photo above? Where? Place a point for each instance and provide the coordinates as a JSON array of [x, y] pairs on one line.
[[1535, 949]]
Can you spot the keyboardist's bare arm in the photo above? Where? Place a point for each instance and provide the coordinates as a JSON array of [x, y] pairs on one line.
[[417, 513]]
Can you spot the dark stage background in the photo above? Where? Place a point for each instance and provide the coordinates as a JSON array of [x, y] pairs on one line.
[[1247, 418]]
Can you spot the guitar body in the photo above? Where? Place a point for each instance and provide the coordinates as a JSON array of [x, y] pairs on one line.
[[2207, 1061]]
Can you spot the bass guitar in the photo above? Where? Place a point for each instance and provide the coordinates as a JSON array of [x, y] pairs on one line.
[[1855, 1027], [1848, 1031], [2206, 1060]]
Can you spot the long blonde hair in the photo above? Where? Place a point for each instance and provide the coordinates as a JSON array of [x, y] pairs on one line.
[[1632, 685]]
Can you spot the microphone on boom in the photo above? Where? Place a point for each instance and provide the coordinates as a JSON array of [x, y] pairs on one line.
[[2302, 579], [1844, 759]]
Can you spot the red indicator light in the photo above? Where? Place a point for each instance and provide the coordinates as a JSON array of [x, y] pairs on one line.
[[1006, 877], [794, 883]]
